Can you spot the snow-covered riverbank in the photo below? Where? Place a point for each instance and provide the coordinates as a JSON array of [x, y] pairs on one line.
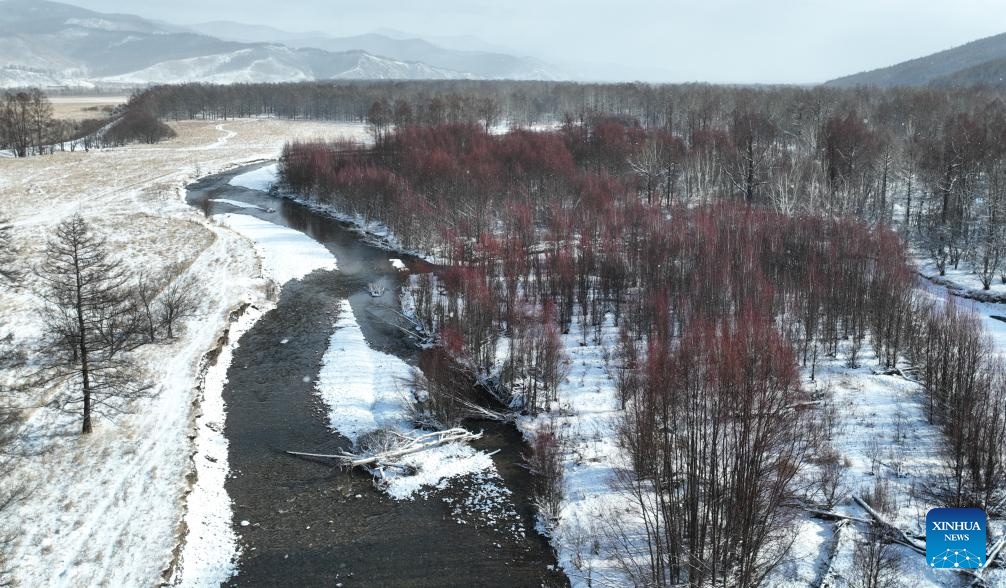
[[209, 553], [109, 507]]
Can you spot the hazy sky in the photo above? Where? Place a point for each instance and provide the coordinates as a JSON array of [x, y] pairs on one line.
[[791, 41]]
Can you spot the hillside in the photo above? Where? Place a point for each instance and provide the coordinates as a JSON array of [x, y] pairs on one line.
[[989, 73], [50, 44], [968, 64], [471, 59]]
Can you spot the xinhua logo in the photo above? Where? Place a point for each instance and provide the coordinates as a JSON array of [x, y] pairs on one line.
[[955, 538]]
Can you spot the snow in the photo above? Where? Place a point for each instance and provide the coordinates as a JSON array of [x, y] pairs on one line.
[[398, 264], [365, 391], [270, 64], [586, 416], [435, 467], [881, 423], [361, 386], [110, 508], [239, 204], [261, 179], [211, 549], [286, 254]]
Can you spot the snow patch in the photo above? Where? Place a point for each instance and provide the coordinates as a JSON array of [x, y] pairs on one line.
[[435, 467], [261, 179], [363, 390], [361, 386], [286, 254]]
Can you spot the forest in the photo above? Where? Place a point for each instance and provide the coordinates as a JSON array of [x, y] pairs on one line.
[[911, 158], [733, 244]]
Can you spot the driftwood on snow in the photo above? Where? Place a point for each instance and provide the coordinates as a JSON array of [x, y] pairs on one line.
[[397, 447], [899, 536]]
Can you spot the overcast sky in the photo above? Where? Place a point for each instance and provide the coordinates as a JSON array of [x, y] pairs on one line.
[[789, 41]]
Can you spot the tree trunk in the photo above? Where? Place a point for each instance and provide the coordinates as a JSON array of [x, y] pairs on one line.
[[82, 343]]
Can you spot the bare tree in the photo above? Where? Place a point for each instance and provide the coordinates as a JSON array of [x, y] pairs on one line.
[[178, 301], [25, 121], [86, 300], [15, 123], [876, 560], [145, 298], [545, 464], [831, 483], [8, 255], [40, 114]]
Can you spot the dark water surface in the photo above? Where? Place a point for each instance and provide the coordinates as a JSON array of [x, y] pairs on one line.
[[308, 523]]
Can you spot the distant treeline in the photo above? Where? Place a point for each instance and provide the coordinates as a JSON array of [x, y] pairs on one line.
[[682, 108], [28, 127]]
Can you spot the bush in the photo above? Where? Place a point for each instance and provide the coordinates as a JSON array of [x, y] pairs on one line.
[[137, 126]]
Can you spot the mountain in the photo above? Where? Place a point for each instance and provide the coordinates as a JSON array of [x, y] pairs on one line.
[[248, 33], [989, 73], [53, 44], [973, 63], [458, 42], [466, 54]]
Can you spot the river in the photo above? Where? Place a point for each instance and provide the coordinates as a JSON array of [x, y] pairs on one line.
[[309, 523]]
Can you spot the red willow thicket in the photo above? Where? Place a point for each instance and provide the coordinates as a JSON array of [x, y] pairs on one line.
[[553, 233], [557, 221], [715, 445]]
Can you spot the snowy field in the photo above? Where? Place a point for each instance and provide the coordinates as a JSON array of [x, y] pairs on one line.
[[109, 509]]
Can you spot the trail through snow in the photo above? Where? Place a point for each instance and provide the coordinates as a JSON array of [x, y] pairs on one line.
[[222, 141]]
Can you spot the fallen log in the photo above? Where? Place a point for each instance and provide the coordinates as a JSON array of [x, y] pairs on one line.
[[989, 562], [833, 546], [902, 537], [404, 445], [834, 516]]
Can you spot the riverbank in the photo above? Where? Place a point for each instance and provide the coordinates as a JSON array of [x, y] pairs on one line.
[[108, 507], [308, 522]]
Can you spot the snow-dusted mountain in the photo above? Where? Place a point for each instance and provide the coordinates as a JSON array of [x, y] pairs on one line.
[[459, 54], [52, 44]]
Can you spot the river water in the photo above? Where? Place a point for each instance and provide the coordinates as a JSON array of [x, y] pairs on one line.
[[311, 524]]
